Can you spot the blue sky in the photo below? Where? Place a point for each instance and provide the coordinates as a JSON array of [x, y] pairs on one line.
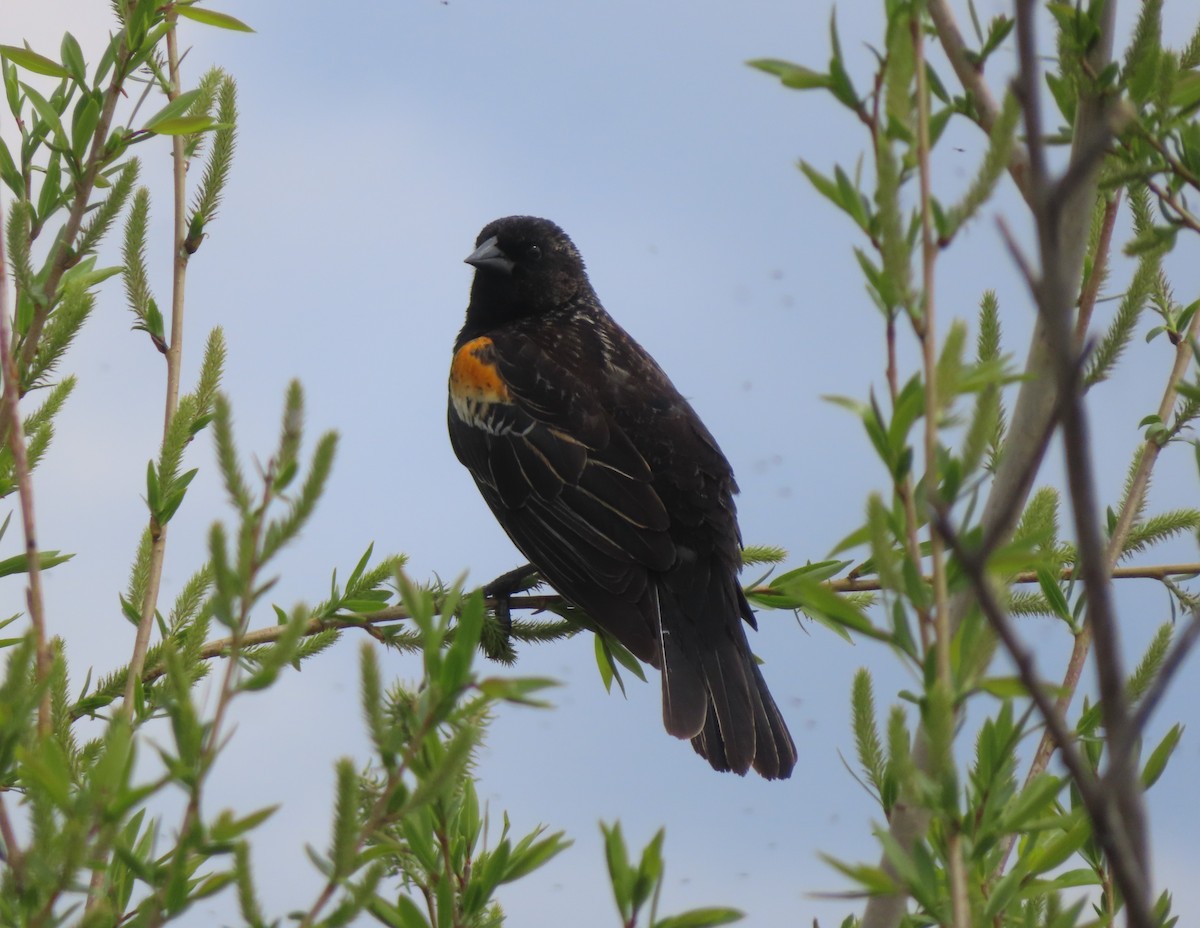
[[375, 141]]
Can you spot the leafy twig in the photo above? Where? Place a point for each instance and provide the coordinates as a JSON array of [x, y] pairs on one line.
[[959, 896], [1170, 666], [16, 441], [1125, 518], [1102, 805], [1054, 295], [970, 75], [174, 355], [223, 647]]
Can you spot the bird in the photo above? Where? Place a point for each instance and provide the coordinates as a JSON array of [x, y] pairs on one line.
[[604, 477]]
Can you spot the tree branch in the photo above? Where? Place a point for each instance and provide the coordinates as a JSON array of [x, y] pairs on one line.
[[1125, 518], [1055, 293], [1033, 412], [970, 76], [16, 442], [158, 533], [956, 868], [1102, 804]]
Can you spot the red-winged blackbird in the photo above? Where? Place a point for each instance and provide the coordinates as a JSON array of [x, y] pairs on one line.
[[607, 480]]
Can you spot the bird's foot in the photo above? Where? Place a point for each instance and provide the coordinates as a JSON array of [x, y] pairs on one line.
[[500, 591]]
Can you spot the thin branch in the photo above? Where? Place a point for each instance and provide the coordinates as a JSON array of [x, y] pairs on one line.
[[1055, 299], [974, 568], [959, 894], [1182, 216], [382, 810], [14, 858], [1125, 519], [970, 75], [1091, 286], [1033, 413], [1102, 805], [371, 622], [158, 533], [64, 255], [1092, 151], [1178, 168], [16, 441]]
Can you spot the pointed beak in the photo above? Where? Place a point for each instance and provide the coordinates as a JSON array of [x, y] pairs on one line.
[[488, 255]]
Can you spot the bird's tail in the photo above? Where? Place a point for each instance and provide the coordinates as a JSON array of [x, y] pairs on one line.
[[713, 691]]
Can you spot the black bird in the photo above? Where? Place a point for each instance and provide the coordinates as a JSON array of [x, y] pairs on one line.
[[607, 481]]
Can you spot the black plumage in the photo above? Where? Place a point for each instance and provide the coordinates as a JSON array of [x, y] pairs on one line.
[[608, 482]]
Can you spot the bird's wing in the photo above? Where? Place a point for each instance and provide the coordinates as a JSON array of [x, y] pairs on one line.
[[563, 479]]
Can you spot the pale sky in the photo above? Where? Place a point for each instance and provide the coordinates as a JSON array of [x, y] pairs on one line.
[[373, 145]]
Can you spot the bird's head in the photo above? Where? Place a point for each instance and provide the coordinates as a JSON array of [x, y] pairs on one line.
[[524, 266]]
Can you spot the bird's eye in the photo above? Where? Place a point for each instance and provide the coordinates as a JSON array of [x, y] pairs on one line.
[[534, 253]]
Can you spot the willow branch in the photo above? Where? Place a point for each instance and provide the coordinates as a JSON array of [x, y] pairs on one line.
[[16, 442], [1055, 298], [14, 858], [1091, 286], [1138, 485], [1102, 804], [158, 532], [64, 255], [1033, 413], [534, 603], [956, 868], [970, 75]]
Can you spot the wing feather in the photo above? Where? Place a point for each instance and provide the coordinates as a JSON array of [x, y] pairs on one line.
[[570, 489]]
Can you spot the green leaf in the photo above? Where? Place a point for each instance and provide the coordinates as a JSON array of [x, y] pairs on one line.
[[212, 18], [649, 871], [51, 193], [1004, 687], [530, 854], [45, 763], [1160, 755], [72, 56], [83, 125], [791, 75], [1185, 95], [408, 912], [517, 690], [1054, 594], [701, 918], [174, 108], [50, 116], [604, 664], [620, 873], [8, 171], [1033, 802], [19, 563], [182, 125], [1048, 854], [227, 828], [798, 590], [31, 61]]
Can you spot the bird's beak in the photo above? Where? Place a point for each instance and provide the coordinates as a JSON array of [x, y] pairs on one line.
[[489, 255]]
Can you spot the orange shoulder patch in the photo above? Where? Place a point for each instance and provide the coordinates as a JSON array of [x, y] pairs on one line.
[[473, 373]]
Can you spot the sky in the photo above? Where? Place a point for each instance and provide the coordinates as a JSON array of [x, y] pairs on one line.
[[375, 140]]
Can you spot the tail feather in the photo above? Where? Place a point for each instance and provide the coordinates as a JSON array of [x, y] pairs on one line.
[[774, 755], [713, 691], [731, 702], [685, 695]]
